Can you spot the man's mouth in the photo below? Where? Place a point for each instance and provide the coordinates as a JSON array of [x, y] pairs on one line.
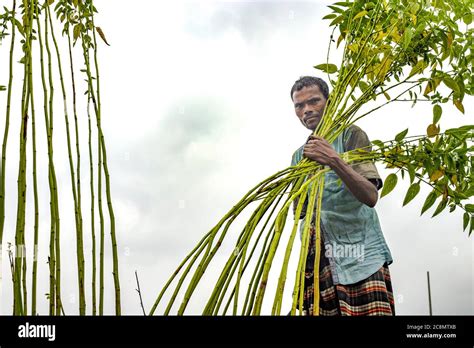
[[310, 119]]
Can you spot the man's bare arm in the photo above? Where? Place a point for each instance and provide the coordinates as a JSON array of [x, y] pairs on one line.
[[364, 190]]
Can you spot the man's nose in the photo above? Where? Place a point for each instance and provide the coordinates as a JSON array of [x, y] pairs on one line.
[[307, 110]]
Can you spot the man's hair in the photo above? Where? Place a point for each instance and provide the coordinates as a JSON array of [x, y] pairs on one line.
[[307, 81]]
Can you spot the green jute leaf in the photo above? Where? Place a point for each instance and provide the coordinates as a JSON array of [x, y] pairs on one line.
[[328, 68], [337, 21], [432, 130], [378, 143], [441, 206], [437, 111], [407, 38], [467, 18], [472, 225], [465, 220], [469, 208], [429, 202], [411, 172], [400, 136], [330, 16], [418, 68], [77, 31], [360, 14], [20, 27], [450, 83], [460, 130], [336, 9], [390, 183], [363, 86], [459, 105], [344, 4], [411, 193]]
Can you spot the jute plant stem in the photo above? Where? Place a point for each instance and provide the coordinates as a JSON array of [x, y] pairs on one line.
[[217, 307], [207, 239], [317, 253], [77, 207], [175, 273], [281, 281], [256, 276], [258, 271], [99, 180], [95, 95], [94, 251], [20, 290], [55, 238], [49, 141], [238, 254], [113, 236], [209, 254], [264, 255], [78, 171], [5, 134], [245, 241], [54, 212], [279, 226], [102, 232], [35, 181], [300, 271]]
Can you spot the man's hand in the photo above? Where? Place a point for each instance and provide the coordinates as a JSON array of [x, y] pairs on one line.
[[319, 150]]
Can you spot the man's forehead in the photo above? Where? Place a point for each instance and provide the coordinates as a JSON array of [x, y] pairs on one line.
[[306, 92]]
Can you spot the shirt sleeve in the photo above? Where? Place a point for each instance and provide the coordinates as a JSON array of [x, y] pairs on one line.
[[358, 139]]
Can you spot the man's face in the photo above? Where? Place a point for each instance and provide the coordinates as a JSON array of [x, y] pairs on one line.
[[309, 106]]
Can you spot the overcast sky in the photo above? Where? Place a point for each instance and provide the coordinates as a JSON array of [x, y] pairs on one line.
[[196, 111]]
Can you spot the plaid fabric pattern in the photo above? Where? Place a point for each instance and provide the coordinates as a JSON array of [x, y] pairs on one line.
[[371, 296]]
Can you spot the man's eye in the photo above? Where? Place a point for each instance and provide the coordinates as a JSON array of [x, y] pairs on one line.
[[298, 106], [313, 101]]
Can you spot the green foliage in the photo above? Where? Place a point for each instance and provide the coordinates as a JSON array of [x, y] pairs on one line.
[[430, 199], [411, 193], [420, 49], [400, 136], [390, 183], [445, 163], [384, 38], [328, 68], [437, 111]]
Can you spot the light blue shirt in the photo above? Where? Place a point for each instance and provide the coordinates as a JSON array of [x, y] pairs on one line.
[[353, 239]]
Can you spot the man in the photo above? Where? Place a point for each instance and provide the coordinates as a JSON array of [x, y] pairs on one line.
[[354, 274]]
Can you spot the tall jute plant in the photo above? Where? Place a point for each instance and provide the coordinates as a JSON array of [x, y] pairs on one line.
[[30, 24], [398, 50]]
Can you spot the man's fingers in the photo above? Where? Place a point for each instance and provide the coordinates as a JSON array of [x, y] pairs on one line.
[[316, 138], [315, 143]]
